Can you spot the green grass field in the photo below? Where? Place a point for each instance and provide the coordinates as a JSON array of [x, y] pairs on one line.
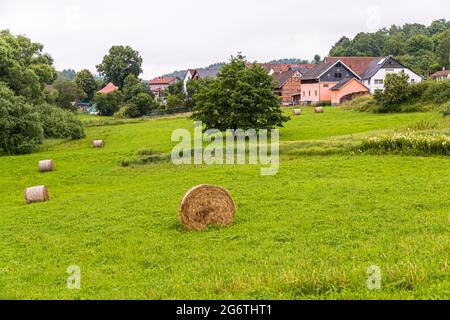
[[310, 232]]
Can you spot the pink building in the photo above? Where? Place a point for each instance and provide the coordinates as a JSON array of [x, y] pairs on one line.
[[346, 90]]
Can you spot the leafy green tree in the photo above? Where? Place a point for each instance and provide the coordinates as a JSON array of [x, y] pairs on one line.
[[24, 67], [119, 63], [85, 81], [240, 97], [108, 104], [395, 45], [68, 92], [192, 88], [132, 86], [317, 59], [68, 74], [20, 128], [417, 43], [443, 49], [174, 102], [437, 26], [396, 91], [140, 105], [340, 47]]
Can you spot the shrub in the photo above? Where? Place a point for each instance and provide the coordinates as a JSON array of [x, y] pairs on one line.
[[362, 104], [59, 123], [108, 104], [174, 102], [20, 127], [408, 143], [445, 109], [140, 105], [437, 92], [396, 91]]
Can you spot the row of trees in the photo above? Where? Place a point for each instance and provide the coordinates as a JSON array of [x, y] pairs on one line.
[[425, 49]]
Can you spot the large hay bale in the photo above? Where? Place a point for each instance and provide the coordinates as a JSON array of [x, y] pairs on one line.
[[36, 194], [206, 205], [297, 112], [318, 109], [98, 143], [46, 165]]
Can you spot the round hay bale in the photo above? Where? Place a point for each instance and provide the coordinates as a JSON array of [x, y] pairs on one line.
[[36, 194], [206, 205], [318, 109], [98, 143], [46, 165], [297, 112]]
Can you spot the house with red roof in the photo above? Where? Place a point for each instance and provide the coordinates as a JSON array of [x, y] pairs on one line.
[[287, 80], [110, 87], [158, 85], [288, 86], [441, 75]]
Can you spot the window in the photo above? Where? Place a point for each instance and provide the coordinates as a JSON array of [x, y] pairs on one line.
[[325, 85], [379, 81], [338, 75], [315, 93], [304, 93], [413, 81], [309, 93]]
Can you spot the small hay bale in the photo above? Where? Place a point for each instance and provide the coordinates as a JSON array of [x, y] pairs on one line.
[[46, 165], [36, 194], [318, 109], [98, 143], [206, 205], [297, 112]]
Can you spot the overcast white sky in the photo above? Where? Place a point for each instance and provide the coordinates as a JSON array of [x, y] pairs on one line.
[[181, 34]]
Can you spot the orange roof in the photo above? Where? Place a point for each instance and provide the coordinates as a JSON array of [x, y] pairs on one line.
[[110, 87], [357, 64], [163, 80]]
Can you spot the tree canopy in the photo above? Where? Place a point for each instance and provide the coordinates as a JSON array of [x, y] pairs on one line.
[[119, 63], [86, 82], [24, 67], [240, 98]]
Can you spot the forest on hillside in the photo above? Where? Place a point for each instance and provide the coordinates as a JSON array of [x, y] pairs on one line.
[[425, 49]]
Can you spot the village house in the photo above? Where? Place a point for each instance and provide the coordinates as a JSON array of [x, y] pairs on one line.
[[288, 86], [195, 74], [158, 85], [441, 75], [287, 79], [330, 81]]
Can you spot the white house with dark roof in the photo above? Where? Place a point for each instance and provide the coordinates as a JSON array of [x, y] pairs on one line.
[[375, 74], [195, 74]]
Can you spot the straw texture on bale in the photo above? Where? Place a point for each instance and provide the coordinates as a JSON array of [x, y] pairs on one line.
[[319, 109], [297, 112], [46, 165], [98, 143], [36, 194], [206, 205]]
